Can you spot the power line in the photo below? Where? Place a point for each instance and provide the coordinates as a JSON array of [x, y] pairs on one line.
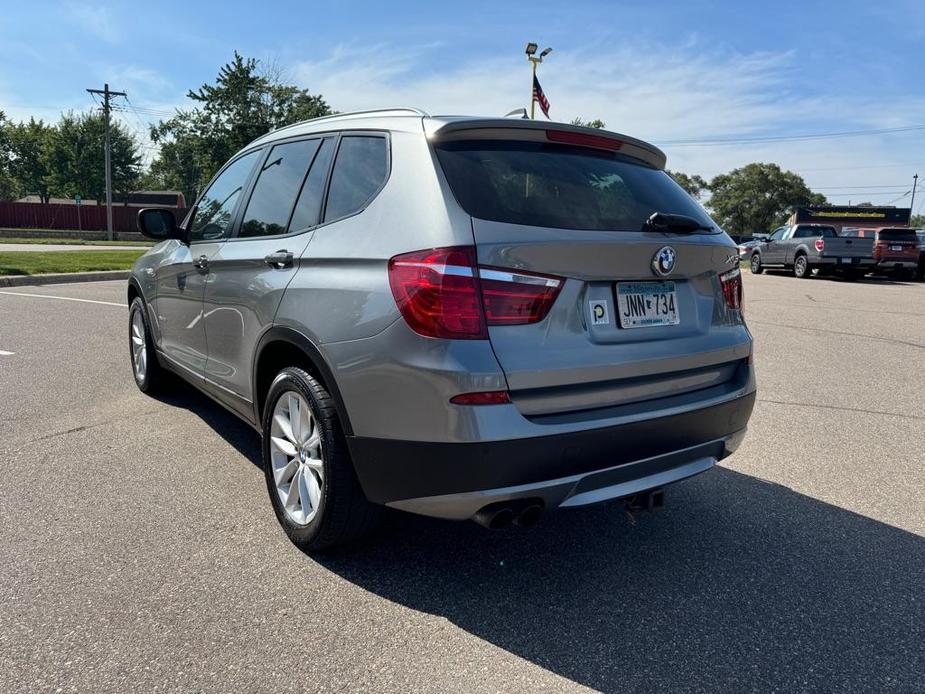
[[766, 139]]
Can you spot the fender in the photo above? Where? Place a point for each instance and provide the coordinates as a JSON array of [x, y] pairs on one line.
[[279, 333]]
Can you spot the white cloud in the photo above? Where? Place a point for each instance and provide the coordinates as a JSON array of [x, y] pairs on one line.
[[649, 91], [95, 20]]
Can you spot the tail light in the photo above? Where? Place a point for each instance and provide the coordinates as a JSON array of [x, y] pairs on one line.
[[731, 282], [442, 293], [820, 245]]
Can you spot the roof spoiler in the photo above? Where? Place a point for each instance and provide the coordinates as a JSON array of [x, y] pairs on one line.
[[541, 131]]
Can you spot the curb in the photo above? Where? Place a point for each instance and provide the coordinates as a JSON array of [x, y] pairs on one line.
[[63, 278]]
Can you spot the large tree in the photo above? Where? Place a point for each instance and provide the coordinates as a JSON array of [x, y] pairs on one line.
[[247, 100], [596, 123], [74, 157], [917, 221], [8, 187], [694, 184], [29, 144], [758, 197]]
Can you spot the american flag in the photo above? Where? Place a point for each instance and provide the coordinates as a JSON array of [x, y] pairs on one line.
[[539, 97]]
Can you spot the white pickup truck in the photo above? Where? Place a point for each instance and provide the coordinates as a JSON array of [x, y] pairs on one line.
[[804, 248]]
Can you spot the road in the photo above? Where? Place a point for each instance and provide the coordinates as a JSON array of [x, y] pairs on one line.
[[138, 550]]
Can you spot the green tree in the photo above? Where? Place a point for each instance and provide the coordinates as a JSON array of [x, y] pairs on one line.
[[247, 100], [758, 197], [695, 185], [917, 221], [74, 158], [28, 143], [596, 123], [8, 187]]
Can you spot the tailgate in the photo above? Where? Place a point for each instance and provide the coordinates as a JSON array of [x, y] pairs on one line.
[[848, 247], [575, 359]]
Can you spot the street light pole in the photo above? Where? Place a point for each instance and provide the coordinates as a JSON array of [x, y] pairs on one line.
[[535, 60]]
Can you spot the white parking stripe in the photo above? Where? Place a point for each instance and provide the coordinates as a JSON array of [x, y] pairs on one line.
[[65, 298], [4, 353]]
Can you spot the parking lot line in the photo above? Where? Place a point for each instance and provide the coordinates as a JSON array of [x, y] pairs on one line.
[[64, 298], [4, 353]]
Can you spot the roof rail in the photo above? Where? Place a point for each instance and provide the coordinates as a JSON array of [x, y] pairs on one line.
[[409, 109]]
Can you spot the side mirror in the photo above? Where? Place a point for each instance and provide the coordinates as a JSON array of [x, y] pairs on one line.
[[159, 224]]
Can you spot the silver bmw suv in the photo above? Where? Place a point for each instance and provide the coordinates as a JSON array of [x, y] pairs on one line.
[[460, 317]]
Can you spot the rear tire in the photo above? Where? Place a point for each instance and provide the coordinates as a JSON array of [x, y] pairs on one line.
[[755, 264], [149, 376], [309, 473], [801, 267]]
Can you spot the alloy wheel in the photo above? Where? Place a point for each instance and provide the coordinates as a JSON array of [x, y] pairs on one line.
[[297, 457], [139, 346]]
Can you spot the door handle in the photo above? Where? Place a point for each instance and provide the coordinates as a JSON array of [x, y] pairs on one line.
[[279, 260], [201, 263]]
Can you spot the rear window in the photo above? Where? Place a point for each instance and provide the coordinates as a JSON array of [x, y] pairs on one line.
[[559, 186], [897, 235]]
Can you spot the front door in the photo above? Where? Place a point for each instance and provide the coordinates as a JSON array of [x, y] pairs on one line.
[[774, 250], [181, 279], [250, 272]]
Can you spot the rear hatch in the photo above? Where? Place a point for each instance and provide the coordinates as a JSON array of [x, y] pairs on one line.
[[900, 244], [641, 313]]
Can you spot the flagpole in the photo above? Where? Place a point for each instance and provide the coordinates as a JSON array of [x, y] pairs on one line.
[[532, 94]]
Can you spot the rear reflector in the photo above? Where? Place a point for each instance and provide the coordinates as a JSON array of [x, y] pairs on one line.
[[583, 139], [491, 397], [442, 293], [731, 283]]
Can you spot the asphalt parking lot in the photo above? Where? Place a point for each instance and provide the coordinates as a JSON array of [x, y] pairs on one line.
[[138, 549]]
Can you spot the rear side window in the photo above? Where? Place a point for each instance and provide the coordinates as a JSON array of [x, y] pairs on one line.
[[277, 186], [308, 209], [559, 186], [360, 169], [897, 235]]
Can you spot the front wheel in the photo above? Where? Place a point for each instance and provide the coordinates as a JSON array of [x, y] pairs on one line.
[[801, 267], [309, 473], [755, 265], [149, 376]]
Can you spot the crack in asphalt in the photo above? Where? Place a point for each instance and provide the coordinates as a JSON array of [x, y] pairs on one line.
[[840, 332], [860, 410]]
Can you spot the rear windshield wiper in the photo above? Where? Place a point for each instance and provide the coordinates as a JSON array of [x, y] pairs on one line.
[[681, 223]]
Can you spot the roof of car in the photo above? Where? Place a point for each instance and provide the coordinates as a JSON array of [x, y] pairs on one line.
[[436, 127]]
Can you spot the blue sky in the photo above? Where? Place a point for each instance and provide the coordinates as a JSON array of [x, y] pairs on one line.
[[660, 71]]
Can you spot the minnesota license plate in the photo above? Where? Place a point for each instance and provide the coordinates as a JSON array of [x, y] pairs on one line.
[[896, 248], [647, 304]]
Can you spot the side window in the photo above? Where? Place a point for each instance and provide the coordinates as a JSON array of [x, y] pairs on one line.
[[215, 209], [779, 234], [359, 171], [308, 209], [805, 233], [277, 186]]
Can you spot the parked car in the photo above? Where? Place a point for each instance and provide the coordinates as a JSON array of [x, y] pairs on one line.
[[896, 251], [450, 316], [805, 248], [746, 246], [920, 233]]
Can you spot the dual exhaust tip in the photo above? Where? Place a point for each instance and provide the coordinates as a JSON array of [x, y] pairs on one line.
[[522, 512]]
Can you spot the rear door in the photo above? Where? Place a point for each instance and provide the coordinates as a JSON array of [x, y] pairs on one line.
[[640, 313], [250, 272]]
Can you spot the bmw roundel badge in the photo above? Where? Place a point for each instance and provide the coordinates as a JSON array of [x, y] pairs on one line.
[[663, 261]]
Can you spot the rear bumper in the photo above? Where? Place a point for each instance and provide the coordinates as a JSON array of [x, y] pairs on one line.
[[836, 261], [897, 263], [455, 480]]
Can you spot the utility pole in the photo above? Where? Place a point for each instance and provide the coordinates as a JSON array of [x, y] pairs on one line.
[[915, 180], [107, 95]]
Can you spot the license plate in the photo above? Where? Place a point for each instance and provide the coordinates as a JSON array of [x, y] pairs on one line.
[[647, 304], [896, 248], [846, 261]]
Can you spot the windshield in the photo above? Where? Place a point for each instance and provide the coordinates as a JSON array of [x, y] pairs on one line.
[[560, 186], [897, 235]]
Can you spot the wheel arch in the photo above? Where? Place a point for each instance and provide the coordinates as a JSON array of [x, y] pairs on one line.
[[279, 347], [133, 290]]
